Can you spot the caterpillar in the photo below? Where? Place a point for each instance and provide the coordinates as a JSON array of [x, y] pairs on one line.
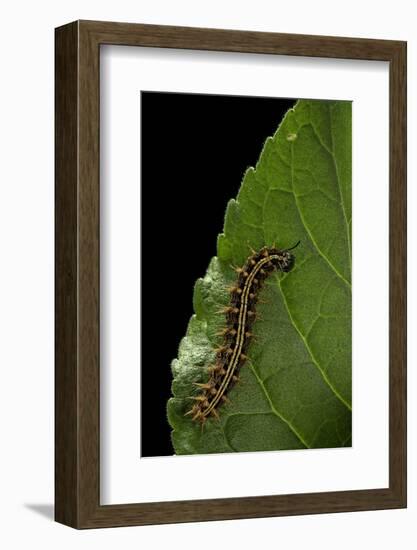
[[240, 315]]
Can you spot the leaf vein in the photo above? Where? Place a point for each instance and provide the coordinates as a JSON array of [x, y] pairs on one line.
[[273, 408], [309, 350]]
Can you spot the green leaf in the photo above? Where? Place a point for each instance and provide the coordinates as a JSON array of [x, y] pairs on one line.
[[295, 389]]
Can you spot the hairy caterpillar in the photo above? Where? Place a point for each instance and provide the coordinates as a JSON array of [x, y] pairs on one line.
[[240, 315]]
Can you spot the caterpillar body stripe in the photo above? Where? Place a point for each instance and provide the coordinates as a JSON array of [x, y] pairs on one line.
[[240, 316]]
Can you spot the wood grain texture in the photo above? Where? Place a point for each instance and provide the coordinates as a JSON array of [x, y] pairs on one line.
[[398, 274], [66, 237], [77, 403]]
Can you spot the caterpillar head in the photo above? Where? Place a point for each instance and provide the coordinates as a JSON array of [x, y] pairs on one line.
[[287, 260]]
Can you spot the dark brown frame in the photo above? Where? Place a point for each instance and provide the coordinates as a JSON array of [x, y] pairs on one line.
[[77, 404]]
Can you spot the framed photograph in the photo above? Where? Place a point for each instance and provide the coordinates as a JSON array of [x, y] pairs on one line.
[[230, 274]]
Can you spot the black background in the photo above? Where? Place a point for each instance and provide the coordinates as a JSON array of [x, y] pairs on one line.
[[195, 150]]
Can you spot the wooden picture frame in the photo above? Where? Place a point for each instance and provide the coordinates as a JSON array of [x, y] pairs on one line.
[[77, 374]]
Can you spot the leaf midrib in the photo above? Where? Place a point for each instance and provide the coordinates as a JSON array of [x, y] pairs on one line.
[[341, 201], [309, 351], [336, 167], [307, 347]]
